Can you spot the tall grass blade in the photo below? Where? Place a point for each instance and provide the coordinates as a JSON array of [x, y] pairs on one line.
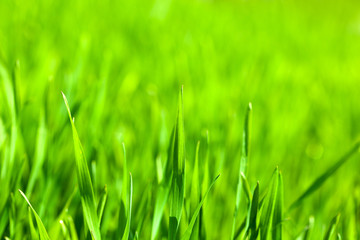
[[42, 231], [326, 175], [178, 179], [84, 181], [243, 165], [189, 230]]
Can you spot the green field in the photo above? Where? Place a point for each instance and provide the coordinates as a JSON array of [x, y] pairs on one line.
[[161, 89]]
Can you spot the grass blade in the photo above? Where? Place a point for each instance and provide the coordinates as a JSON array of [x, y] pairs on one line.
[[42, 231], [178, 179], [189, 230], [163, 190], [331, 229], [127, 227], [252, 215], [278, 211], [39, 157], [323, 177], [268, 211], [243, 165], [84, 181], [101, 204], [246, 187], [195, 197]]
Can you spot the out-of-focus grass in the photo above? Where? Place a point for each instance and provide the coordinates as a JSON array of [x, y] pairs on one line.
[[121, 65]]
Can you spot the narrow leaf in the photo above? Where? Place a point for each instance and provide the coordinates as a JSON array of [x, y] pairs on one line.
[[253, 212], [127, 228], [178, 178], [84, 181], [326, 175], [195, 192], [189, 230], [243, 165], [278, 211], [268, 211], [42, 231], [331, 229], [101, 204]]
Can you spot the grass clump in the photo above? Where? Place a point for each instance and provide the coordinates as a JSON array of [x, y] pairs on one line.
[[288, 161]]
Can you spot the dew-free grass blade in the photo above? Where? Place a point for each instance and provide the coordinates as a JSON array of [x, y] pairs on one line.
[[326, 175], [189, 229], [42, 231], [252, 229], [162, 195], [205, 183], [124, 205], [278, 211], [101, 204], [163, 190], [178, 179], [268, 210], [242, 226], [243, 165], [84, 181], [246, 187], [127, 227], [332, 227], [195, 193], [69, 223], [39, 153], [33, 232]]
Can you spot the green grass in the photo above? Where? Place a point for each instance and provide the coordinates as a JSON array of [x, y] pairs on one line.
[[122, 66]]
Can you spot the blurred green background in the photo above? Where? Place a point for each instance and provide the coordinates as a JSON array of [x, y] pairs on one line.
[[122, 63]]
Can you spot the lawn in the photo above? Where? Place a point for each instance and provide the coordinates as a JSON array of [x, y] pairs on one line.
[[179, 119]]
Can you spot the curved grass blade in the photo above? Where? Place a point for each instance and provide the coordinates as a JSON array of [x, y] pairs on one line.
[[331, 229], [323, 177], [127, 227], [42, 231], [177, 158], [243, 165], [278, 211], [84, 181], [189, 230]]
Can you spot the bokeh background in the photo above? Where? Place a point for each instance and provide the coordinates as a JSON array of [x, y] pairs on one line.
[[122, 63]]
